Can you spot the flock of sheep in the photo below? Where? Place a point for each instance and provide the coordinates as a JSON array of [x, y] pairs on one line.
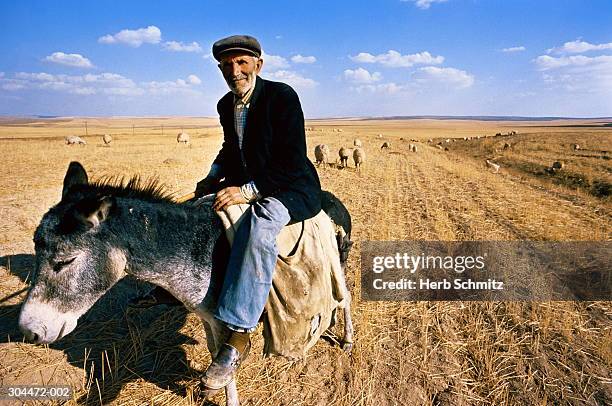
[[322, 153], [181, 138]]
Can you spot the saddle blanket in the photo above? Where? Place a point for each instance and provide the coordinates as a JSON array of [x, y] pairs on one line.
[[307, 286]]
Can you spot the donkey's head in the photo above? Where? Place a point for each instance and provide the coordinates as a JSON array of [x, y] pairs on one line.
[[76, 260]]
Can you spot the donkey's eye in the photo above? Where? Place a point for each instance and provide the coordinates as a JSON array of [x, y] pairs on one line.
[[61, 264]]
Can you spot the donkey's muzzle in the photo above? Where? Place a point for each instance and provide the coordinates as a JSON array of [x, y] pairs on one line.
[[33, 333]]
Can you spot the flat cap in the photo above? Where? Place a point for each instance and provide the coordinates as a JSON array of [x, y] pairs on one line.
[[244, 43]]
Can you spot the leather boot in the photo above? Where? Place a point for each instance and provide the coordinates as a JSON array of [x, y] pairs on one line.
[[221, 371]]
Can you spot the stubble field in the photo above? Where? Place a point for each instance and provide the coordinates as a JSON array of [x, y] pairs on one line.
[[405, 353]]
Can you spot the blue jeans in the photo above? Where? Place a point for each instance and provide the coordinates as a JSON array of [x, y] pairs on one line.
[[252, 260]]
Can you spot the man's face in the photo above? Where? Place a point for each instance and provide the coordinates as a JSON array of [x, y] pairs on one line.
[[240, 71]]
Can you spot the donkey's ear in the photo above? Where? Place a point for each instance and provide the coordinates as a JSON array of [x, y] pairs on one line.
[[90, 213], [75, 175]]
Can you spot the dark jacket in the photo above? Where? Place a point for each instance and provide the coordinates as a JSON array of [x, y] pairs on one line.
[[273, 147]]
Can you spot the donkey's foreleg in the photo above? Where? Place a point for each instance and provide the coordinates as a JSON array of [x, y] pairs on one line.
[[347, 340], [231, 394]]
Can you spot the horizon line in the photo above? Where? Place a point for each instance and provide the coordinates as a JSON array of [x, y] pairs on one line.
[[494, 117]]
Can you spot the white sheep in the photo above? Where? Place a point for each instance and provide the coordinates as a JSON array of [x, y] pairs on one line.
[[321, 154], [344, 154], [492, 165], [107, 139], [74, 140], [182, 137], [357, 142], [358, 158]]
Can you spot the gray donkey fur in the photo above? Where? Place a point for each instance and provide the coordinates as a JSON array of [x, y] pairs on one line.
[[103, 231]]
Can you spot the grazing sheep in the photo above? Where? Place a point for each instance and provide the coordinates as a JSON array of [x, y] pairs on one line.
[[74, 140], [344, 156], [576, 147], [447, 140], [357, 142], [358, 158], [446, 149], [182, 138], [414, 148], [321, 154], [107, 139], [401, 138], [385, 145], [557, 166], [439, 146], [492, 165], [379, 135], [430, 141], [507, 146]]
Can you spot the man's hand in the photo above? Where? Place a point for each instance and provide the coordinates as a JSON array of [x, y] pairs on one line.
[[206, 186], [227, 197]]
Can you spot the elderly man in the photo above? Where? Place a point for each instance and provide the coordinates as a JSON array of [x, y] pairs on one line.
[[263, 162]]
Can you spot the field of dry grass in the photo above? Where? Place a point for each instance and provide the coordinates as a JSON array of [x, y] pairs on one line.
[[405, 353]]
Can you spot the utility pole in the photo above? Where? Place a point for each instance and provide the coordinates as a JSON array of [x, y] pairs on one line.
[[86, 128], [132, 130], [162, 130]]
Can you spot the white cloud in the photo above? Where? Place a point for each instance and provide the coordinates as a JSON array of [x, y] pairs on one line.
[[42, 76], [194, 80], [425, 4], [361, 75], [454, 77], [545, 62], [577, 72], [303, 59], [514, 49], [104, 83], [292, 78], [394, 59], [578, 47], [134, 38], [382, 88], [274, 62], [180, 47], [75, 60], [11, 84], [168, 87]]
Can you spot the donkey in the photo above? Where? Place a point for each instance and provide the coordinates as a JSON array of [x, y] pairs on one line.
[[102, 231]]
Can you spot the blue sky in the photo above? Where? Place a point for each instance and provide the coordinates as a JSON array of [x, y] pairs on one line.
[[344, 58]]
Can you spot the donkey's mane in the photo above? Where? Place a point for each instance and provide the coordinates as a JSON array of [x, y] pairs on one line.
[[151, 189]]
